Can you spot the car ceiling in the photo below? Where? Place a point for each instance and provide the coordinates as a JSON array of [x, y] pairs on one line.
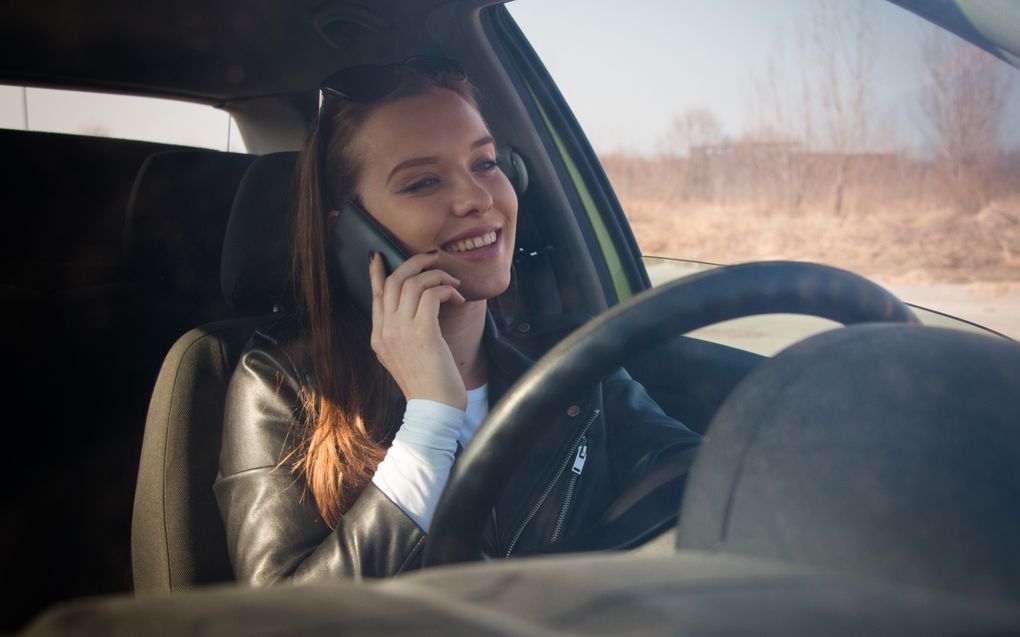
[[212, 51]]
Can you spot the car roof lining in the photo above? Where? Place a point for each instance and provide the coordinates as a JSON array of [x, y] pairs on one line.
[[212, 52], [219, 51]]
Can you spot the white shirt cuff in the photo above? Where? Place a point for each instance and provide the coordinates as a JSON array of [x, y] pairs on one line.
[[416, 467]]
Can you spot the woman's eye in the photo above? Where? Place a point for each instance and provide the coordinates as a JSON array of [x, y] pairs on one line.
[[422, 184], [487, 164]]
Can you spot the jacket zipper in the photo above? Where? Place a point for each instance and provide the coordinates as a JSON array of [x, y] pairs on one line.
[[568, 499], [552, 483]]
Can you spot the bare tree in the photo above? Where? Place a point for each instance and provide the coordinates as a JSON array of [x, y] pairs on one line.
[[697, 134], [844, 48], [772, 153], [693, 128], [813, 120], [964, 102]]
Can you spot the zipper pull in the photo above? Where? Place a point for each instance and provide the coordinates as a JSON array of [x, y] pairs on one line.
[[582, 455]]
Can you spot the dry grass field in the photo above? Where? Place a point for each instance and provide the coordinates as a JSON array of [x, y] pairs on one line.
[[963, 263], [937, 246]]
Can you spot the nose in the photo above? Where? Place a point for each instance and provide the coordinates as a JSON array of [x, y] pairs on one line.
[[471, 196]]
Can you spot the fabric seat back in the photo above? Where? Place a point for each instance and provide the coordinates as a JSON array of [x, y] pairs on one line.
[[177, 537], [882, 452]]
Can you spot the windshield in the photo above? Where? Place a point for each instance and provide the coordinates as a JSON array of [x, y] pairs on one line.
[[853, 134]]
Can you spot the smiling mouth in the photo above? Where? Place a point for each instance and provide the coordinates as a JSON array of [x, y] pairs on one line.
[[474, 243]]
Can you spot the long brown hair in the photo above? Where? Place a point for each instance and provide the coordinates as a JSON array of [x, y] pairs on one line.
[[352, 409]]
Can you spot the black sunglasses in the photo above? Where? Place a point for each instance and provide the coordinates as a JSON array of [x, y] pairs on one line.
[[368, 82]]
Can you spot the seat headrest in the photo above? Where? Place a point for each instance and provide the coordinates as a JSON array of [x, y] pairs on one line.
[[255, 265], [177, 214]]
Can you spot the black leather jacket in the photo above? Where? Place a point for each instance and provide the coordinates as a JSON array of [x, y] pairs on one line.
[[568, 485]]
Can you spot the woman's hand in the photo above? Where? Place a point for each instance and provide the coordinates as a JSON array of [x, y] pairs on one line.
[[405, 328]]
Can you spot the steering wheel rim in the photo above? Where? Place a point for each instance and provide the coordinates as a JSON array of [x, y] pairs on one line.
[[603, 344]]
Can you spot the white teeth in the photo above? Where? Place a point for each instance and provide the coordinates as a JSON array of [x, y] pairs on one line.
[[473, 243]]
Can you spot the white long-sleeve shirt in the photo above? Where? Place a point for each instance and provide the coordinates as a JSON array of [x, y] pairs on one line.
[[417, 465]]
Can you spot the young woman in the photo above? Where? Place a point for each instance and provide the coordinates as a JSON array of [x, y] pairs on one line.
[[340, 431]]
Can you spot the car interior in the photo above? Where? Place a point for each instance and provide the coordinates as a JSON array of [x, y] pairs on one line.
[[864, 478]]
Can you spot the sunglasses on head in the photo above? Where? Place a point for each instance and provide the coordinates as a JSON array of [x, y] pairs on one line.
[[368, 82]]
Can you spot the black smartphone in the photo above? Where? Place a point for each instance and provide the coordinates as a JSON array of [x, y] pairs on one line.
[[354, 236]]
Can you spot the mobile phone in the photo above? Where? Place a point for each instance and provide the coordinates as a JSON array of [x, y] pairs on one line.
[[354, 235]]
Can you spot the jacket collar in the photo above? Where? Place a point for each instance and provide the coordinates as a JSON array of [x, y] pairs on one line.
[[506, 362]]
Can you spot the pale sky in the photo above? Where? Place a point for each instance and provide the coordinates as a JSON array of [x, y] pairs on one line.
[[627, 69]]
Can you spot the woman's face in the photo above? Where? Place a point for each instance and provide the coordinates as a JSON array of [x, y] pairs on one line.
[[429, 175]]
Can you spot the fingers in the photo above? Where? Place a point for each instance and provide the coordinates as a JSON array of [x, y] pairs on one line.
[[400, 292], [411, 292], [377, 276], [395, 281], [433, 298]]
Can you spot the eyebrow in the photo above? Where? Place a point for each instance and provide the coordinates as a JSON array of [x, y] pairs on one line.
[[420, 161]]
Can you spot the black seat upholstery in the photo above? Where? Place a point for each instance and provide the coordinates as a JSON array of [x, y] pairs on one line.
[[173, 234], [175, 227], [880, 452], [177, 539]]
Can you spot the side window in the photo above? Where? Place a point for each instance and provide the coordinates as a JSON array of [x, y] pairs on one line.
[[853, 134], [119, 116]]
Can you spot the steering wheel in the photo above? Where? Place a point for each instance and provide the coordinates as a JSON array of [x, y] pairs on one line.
[[602, 345]]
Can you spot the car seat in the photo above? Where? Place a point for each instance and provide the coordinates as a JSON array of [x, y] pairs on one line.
[[177, 538]]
